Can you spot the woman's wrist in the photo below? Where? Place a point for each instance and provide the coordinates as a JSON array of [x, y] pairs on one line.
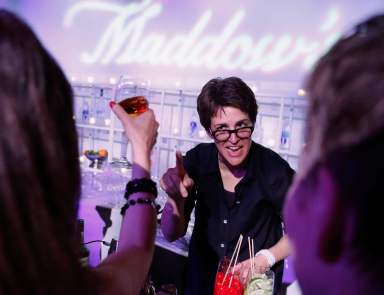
[[141, 164], [141, 150], [268, 255], [176, 207], [140, 171]]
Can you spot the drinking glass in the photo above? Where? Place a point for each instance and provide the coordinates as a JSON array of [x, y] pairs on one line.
[[227, 282], [260, 282], [130, 94], [114, 185], [134, 105], [90, 184]]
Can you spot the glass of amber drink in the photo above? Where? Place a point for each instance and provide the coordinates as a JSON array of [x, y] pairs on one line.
[[134, 105]]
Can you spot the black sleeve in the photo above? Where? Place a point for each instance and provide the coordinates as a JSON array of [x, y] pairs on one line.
[[278, 177], [190, 160]]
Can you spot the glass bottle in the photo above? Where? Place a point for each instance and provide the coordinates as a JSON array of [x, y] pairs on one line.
[[85, 112], [193, 125], [286, 136]]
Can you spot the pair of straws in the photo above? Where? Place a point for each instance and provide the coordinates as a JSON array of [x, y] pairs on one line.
[[235, 253], [251, 250]]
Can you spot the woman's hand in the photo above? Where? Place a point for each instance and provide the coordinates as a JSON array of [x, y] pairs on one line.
[[175, 181], [260, 264], [141, 130]]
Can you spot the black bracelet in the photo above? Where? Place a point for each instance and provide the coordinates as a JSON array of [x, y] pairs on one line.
[[140, 185], [139, 201]]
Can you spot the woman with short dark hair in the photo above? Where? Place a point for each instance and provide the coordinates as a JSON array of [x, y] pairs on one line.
[[235, 185]]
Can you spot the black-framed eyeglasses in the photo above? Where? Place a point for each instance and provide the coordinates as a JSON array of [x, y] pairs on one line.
[[224, 134]]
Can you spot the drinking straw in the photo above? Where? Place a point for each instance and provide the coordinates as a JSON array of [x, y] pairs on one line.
[[237, 256], [234, 251], [253, 258], [250, 255]]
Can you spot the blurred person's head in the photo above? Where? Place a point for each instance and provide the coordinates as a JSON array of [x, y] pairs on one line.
[[333, 213], [39, 181], [228, 104], [346, 92]]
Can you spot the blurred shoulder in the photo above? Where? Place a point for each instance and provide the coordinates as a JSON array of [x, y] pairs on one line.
[[269, 159], [202, 151]]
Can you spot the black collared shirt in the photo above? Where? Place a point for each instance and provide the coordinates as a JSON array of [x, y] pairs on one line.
[[255, 212]]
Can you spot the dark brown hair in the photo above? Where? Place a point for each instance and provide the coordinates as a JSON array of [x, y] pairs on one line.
[[345, 132], [218, 93], [357, 171], [39, 181]]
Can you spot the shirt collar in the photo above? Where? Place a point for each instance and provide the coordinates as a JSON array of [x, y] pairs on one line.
[[212, 166]]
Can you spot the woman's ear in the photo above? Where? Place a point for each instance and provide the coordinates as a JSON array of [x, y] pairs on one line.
[[333, 231]]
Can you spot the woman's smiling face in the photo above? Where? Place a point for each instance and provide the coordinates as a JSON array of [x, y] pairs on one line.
[[234, 150]]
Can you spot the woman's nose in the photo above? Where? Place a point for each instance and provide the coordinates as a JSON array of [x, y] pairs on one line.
[[233, 138]]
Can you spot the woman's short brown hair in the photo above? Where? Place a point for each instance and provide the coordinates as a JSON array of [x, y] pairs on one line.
[[218, 93]]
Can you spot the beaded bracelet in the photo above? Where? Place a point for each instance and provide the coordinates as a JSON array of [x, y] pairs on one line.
[[140, 185], [139, 201]]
